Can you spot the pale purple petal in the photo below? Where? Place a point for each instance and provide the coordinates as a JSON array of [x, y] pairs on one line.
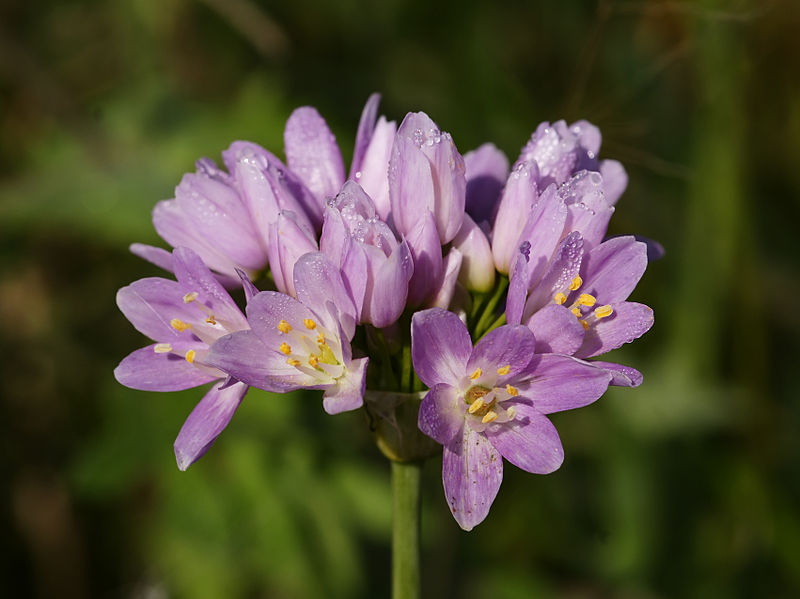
[[554, 149], [486, 173], [288, 241], [543, 230], [518, 285], [629, 321], [247, 358], [250, 290], [319, 285], [154, 255], [518, 198], [472, 471], [588, 212], [147, 370], [562, 270], [267, 309], [622, 376], [411, 185], [440, 347], [563, 383], [335, 239], [615, 180], [348, 393], [427, 254], [373, 175], [441, 414], [208, 419], [312, 153], [611, 270], [195, 276], [355, 274], [390, 288], [150, 304], [366, 128], [530, 441], [507, 346], [452, 265], [477, 266], [216, 212], [556, 329]]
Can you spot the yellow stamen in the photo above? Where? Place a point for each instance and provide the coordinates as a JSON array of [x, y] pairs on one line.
[[576, 311], [211, 319], [584, 324], [190, 297], [586, 300], [489, 417], [162, 348], [285, 348], [179, 325], [476, 405], [504, 370], [603, 311], [476, 375], [293, 362], [312, 360], [511, 412], [576, 283], [310, 324], [320, 339], [190, 356], [559, 298], [284, 327], [512, 391]]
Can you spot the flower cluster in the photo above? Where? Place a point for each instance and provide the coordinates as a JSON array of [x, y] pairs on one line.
[[377, 279]]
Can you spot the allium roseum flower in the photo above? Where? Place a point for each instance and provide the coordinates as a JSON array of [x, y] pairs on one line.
[[490, 402], [301, 343], [184, 317]]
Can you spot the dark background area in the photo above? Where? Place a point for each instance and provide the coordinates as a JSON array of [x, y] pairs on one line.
[[686, 487]]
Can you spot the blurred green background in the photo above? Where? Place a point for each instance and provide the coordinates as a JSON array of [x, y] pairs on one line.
[[686, 487]]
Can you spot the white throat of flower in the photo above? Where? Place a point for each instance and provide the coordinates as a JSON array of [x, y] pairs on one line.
[[312, 350], [484, 398]]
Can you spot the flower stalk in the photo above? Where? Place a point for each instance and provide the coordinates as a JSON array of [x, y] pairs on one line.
[[406, 504]]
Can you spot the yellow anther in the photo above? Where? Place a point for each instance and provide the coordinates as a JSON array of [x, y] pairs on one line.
[[476, 375], [511, 412], [489, 417], [512, 391], [312, 361], [584, 324], [603, 311], [190, 356], [576, 283], [504, 370], [190, 297], [293, 362], [211, 320], [310, 324], [179, 325], [584, 299], [285, 348], [162, 348], [284, 327], [320, 339], [559, 298], [576, 311], [476, 405]]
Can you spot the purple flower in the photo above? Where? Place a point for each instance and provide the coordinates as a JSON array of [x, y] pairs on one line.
[[184, 317], [486, 174], [426, 174], [376, 267], [208, 216], [490, 402], [579, 306], [288, 241], [301, 343]]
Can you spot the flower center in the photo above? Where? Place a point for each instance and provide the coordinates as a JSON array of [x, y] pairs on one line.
[[311, 352], [584, 300], [484, 399]]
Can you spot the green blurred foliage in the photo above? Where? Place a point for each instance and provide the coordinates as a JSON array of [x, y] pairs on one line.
[[686, 487]]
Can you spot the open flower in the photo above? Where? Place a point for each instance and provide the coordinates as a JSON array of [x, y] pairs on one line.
[[490, 402], [301, 343], [184, 317]]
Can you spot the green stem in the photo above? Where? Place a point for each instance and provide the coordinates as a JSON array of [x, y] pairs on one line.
[[406, 529], [488, 313]]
